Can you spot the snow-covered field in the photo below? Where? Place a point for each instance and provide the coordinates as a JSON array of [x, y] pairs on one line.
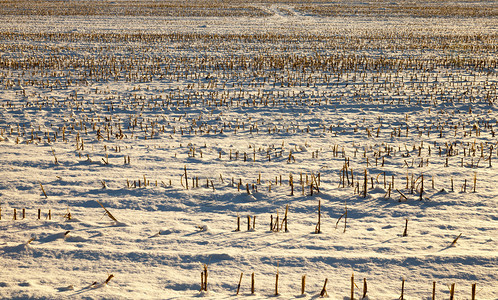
[[145, 138]]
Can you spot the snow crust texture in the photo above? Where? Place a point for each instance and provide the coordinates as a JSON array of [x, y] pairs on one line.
[[138, 150]]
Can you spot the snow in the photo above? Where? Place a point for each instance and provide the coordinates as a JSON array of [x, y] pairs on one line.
[[138, 221]]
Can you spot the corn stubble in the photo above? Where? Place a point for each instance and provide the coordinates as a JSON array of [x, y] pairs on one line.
[[273, 73]]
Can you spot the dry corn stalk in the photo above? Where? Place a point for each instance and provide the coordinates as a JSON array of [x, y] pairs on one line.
[[108, 213]]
